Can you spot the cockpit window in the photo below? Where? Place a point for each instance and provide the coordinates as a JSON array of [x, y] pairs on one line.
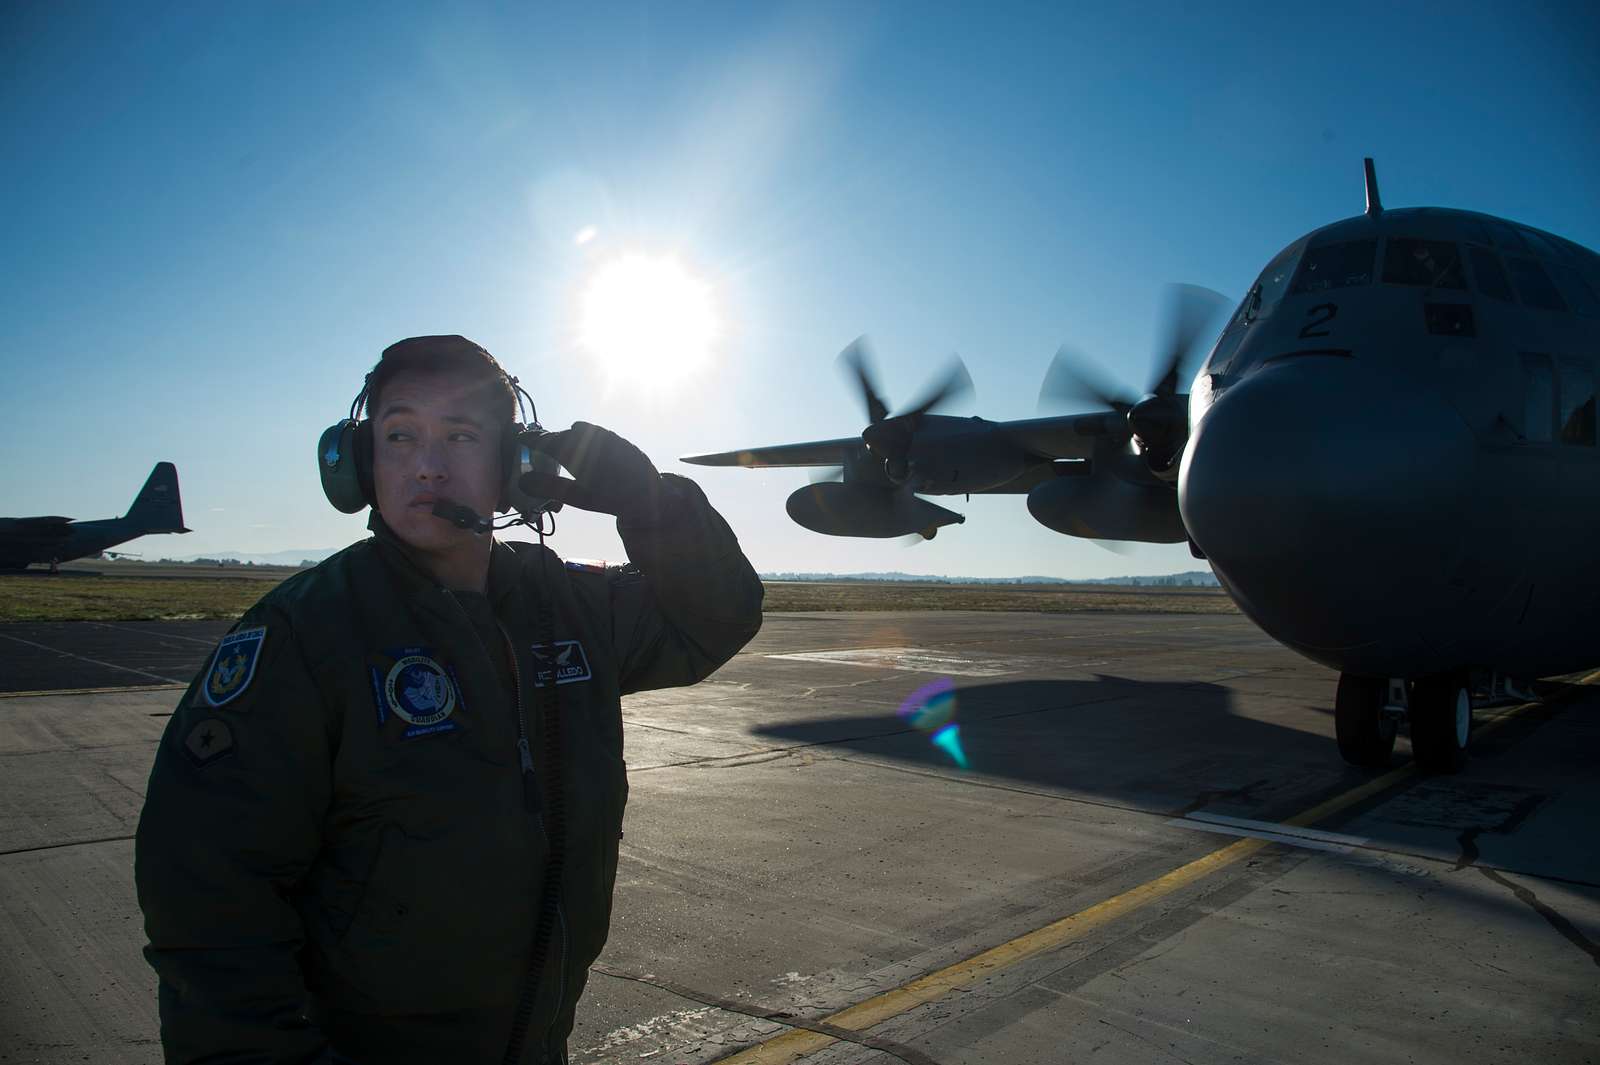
[[1434, 263], [1487, 273], [1580, 297], [1335, 266], [1270, 286], [1576, 419], [1505, 238], [1541, 247], [1534, 285]]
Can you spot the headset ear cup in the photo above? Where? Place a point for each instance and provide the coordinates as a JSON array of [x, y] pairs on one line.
[[528, 461], [337, 463]]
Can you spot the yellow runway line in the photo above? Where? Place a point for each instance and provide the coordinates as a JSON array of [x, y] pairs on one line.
[[794, 1045], [797, 1043]]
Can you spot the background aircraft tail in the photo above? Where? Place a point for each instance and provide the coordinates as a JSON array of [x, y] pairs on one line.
[[157, 508]]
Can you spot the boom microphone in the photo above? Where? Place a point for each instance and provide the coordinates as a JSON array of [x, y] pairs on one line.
[[462, 517]]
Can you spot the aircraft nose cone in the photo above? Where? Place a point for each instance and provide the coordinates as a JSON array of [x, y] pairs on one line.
[[1332, 503]]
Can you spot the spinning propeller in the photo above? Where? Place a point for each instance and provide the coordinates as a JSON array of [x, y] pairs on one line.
[[889, 437], [1158, 418]]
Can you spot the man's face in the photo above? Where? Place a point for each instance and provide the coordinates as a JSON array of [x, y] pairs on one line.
[[435, 437]]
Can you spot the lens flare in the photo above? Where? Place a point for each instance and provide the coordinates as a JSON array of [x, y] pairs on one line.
[[932, 709], [948, 740]]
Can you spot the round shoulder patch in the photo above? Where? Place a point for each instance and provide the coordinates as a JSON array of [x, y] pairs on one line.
[[420, 691]]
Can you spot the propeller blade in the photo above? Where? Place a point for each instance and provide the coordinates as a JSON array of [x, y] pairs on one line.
[[956, 384], [856, 359], [1116, 547], [1189, 309], [825, 475], [1073, 381]]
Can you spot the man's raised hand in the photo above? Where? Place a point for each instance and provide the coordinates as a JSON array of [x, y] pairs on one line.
[[609, 475]]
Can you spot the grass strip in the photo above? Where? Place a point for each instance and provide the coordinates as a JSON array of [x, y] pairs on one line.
[[106, 598], [785, 597], [42, 598]]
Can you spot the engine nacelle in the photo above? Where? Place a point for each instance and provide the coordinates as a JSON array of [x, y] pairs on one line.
[[838, 509], [1106, 507]]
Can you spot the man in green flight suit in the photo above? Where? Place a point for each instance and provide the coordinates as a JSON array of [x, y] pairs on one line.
[[382, 823]]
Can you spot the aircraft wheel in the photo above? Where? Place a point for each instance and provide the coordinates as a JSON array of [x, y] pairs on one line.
[[1366, 733], [1441, 722]]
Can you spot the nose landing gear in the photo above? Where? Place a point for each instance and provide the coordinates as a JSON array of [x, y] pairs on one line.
[[1362, 721], [1441, 722], [1367, 712]]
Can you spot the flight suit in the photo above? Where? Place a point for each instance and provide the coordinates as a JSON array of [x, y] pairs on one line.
[[344, 845]]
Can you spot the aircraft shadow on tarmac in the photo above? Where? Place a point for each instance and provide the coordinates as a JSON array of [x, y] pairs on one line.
[[1172, 748], [1160, 745]]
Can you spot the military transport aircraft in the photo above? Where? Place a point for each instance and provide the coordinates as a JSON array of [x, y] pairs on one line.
[[53, 539], [1388, 458]]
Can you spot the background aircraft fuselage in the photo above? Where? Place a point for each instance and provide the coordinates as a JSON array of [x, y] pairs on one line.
[[157, 508]]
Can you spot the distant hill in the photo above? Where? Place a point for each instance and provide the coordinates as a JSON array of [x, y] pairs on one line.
[[1189, 578]]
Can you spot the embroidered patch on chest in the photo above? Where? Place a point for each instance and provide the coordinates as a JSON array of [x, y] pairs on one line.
[[233, 667], [566, 664], [413, 686]]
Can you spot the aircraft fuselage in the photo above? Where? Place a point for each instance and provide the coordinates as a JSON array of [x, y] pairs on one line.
[[1393, 464]]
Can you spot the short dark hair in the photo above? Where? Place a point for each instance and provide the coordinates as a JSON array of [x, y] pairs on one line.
[[445, 354]]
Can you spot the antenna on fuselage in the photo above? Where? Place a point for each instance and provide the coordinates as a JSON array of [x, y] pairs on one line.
[[1374, 204]]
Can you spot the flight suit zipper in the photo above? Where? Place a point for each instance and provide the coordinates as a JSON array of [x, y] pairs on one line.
[[530, 788], [530, 781], [561, 978], [530, 785], [554, 835]]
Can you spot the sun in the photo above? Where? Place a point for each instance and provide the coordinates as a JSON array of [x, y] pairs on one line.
[[647, 320]]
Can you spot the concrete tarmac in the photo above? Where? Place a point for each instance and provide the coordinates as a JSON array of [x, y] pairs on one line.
[[1152, 854]]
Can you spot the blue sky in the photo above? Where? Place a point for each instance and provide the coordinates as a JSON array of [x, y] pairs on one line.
[[218, 215]]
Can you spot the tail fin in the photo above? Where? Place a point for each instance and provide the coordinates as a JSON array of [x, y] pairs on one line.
[[157, 508]]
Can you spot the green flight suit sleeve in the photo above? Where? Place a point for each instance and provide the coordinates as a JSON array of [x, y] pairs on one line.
[[689, 601], [232, 820]]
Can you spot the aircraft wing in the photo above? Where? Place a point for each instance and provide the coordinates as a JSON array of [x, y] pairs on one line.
[[814, 453], [1069, 436], [44, 524]]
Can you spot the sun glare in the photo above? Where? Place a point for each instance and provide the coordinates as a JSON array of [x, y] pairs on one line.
[[646, 319]]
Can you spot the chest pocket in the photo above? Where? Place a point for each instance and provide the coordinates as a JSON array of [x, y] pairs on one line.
[[423, 745]]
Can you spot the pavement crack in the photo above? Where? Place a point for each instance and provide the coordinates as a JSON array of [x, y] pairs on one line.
[[1553, 917], [1469, 848], [1206, 798], [69, 843], [909, 1055], [1569, 931], [810, 692], [1146, 1040]]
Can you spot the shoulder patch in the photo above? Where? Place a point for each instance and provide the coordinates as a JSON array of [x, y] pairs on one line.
[[586, 565], [208, 741], [233, 667]]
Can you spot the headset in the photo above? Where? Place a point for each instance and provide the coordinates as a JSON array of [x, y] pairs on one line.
[[344, 459]]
